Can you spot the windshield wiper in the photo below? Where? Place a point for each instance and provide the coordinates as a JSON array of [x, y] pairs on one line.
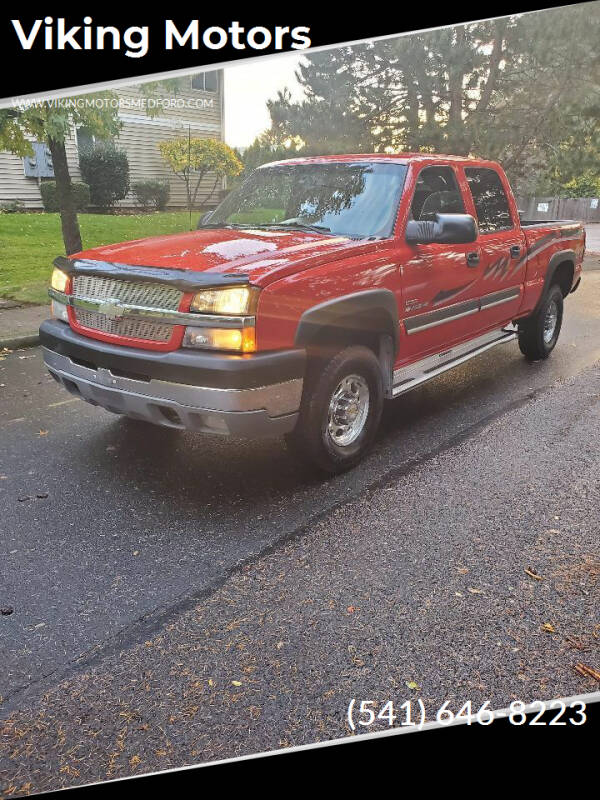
[[223, 225], [300, 226]]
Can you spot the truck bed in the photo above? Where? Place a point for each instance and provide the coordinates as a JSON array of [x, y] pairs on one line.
[[541, 223]]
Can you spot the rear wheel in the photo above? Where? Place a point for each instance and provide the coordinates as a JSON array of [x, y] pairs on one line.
[[539, 333], [340, 411]]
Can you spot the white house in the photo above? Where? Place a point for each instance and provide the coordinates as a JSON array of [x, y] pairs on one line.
[[196, 109]]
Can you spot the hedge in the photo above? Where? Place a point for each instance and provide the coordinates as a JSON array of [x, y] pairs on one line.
[[106, 170], [81, 193], [152, 194]]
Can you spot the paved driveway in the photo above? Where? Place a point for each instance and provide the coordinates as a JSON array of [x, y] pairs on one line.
[[593, 237]]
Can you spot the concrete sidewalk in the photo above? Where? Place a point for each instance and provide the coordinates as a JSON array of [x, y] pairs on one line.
[[19, 324]]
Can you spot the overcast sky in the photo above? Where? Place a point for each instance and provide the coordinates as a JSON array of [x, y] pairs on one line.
[[247, 89]]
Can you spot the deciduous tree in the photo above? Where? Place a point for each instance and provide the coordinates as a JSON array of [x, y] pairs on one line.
[[194, 158], [52, 122]]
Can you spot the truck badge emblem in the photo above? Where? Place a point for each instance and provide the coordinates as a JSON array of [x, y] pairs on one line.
[[113, 309]]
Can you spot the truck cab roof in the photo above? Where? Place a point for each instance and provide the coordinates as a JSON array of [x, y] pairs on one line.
[[398, 158]]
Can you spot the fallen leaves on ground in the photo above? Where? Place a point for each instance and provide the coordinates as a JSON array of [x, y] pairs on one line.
[[548, 627], [587, 672], [576, 643], [533, 574]]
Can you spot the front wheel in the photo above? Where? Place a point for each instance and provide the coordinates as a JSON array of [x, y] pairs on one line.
[[340, 412], [539, 333]]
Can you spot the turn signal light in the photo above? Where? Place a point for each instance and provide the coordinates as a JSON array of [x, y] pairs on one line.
[[241, 340]]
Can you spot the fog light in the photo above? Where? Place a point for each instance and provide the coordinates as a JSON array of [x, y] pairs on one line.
[[59, 311], [241, 340]]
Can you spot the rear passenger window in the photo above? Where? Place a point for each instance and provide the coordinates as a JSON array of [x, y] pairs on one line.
[[491, 202], [436, 192]]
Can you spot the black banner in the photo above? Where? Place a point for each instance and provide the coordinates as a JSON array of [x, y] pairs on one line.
[[453, 754], [45, 52]]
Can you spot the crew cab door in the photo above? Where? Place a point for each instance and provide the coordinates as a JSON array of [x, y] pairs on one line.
[[501, 245], [440, 302]]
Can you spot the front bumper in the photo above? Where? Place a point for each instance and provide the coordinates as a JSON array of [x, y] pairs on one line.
[[249, 395]]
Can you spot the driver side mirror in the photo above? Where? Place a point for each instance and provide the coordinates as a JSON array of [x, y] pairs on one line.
[[444, 229]]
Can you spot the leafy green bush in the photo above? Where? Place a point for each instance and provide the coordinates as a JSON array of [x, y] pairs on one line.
[[152, 194], [585, 185], [81, 193], [11, 207], [106, 170]]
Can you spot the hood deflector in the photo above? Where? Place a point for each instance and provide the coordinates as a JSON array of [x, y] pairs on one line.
[[183, 279]]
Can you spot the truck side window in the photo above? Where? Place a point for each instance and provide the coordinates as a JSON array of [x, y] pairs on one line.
[[491, 203], [436, 192]]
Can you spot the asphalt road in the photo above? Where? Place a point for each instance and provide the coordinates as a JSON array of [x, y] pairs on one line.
[[127, 556]]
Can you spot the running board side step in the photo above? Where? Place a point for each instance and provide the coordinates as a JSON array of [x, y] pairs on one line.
[[407, 378]]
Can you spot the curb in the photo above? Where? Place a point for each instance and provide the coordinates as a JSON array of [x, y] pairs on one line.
[[17, 342]]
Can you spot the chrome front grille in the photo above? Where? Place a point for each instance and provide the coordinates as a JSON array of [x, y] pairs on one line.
[[134, 328], [151, 295], [107, 290]]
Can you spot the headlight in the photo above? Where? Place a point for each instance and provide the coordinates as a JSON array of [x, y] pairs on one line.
[[240, 340], [59, 280], [232, 300]]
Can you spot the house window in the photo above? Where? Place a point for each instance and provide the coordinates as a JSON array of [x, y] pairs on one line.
[[206, 81]]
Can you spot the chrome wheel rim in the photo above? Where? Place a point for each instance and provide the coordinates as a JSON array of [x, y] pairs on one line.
[[550, 321], [348, 410]]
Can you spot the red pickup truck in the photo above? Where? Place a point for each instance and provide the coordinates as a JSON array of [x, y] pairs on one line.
[[316, 290]]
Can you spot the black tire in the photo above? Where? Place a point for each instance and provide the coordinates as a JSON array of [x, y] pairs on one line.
[[535, 340], [312, 439]]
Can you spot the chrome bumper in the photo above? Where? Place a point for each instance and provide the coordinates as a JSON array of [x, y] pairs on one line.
[[260, 411]]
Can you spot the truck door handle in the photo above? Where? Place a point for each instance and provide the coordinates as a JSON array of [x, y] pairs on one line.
[[515, 251], [473, 258]]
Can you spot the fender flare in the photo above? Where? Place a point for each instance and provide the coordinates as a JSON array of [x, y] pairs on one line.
[[555, 261], [374, 311]]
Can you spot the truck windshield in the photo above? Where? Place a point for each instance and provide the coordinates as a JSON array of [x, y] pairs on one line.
[[351, 199]]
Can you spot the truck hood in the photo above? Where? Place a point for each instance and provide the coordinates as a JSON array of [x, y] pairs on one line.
[[264, 256]]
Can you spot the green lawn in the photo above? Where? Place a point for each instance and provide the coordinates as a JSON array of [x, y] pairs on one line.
[[30, 242]]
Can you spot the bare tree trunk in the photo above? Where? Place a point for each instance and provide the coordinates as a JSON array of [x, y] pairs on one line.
[[456, 74], [66, 201], [412, 115], [198, 182], [210, 194], [500, 26]]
